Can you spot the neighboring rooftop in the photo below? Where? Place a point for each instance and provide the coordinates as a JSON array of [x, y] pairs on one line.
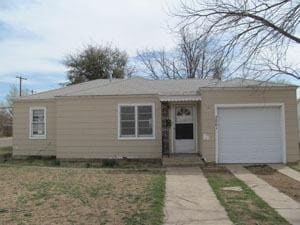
[[142, 86]]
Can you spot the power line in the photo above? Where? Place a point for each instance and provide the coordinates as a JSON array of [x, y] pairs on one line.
[[20, 82]]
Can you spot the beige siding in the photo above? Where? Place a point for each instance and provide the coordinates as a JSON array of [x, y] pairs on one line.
[[22, 144], [87, 127], [212, 97]]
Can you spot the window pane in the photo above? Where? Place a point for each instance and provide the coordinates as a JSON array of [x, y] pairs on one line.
[[38, 115], [38, 122], [34, 128], [184, 131], [41, 128], [127, 131], [127, 116], [127, 123], [145, 109], [145, 132], [127, 109], [145, 125]]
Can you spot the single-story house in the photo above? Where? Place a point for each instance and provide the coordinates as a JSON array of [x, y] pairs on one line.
[[236, 121]]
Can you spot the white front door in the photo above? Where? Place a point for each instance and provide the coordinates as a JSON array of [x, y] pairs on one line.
[[184, 135]]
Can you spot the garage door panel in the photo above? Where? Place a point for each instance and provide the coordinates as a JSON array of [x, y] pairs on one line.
[[245, 135], [249, 135], [252, 144], [250, 159]]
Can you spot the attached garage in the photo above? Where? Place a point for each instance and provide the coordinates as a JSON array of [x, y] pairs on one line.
[[250, 133]]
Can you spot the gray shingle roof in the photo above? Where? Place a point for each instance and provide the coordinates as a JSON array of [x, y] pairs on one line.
[[142, 86]]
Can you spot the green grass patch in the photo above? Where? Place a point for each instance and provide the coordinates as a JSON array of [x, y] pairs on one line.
[[243, 207]]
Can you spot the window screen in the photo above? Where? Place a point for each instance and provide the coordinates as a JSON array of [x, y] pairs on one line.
[[127, 123], [136, 121], [38, 122], [145, 121]]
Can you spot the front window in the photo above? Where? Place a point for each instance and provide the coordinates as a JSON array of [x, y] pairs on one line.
[[136, 121], [145, 128], [127, 122], [38, 122]]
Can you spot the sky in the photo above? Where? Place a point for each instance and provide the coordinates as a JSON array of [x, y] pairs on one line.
[[35, 35]]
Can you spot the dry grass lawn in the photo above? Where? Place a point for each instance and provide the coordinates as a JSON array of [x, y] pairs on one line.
[[41, 195]]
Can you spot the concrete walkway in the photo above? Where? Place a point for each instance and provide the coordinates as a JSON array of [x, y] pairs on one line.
[[284, 205], [190, 200], [286, 171]]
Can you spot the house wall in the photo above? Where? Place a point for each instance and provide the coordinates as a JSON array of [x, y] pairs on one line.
[[210, 97], [87, 127], [22, 144]]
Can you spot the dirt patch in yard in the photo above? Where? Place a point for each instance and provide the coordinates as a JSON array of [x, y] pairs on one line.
[[278, 180], [36, 195], [243, 206]]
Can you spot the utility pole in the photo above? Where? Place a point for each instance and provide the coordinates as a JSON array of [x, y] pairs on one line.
[[20, 89]]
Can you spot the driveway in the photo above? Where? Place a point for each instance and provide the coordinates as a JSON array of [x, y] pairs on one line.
[[5, 142], [190, 200], [284, 205]]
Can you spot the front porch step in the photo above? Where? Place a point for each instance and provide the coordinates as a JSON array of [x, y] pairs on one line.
[[177, 160]]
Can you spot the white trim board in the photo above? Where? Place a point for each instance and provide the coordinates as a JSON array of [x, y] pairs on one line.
[[282, 107]]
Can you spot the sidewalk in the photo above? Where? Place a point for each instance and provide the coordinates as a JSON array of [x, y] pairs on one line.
[[190, 200]]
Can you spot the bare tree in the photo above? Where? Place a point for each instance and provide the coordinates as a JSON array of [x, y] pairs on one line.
[[254, 34], [192, 58]]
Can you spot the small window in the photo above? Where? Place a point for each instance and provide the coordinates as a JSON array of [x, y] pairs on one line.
[[127, 121], [136, 121], [38, 122], [145, 121]]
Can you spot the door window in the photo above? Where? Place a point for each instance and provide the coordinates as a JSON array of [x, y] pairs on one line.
[[184, 114], [184, 131]]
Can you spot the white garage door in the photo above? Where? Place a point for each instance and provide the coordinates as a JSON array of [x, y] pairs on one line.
[[250, 135]]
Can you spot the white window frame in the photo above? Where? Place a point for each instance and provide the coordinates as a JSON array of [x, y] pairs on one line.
[[136, 137], [36, 136]]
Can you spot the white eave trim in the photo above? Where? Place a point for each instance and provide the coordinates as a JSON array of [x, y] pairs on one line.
[[180, 98]]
